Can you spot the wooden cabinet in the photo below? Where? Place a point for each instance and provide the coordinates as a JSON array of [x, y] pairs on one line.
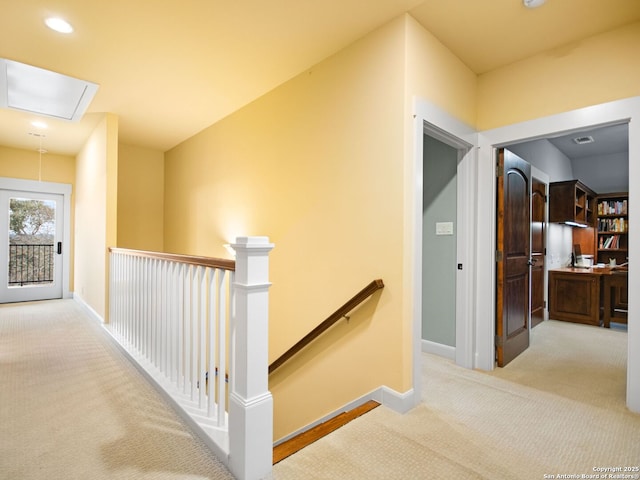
[[572, 202], [574, 296], [612, 238]]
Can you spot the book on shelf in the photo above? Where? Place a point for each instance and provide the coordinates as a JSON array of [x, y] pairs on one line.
[[613, 225], [611, 242], [612, 207]]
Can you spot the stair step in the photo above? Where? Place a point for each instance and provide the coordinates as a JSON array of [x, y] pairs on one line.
[[297, 443]]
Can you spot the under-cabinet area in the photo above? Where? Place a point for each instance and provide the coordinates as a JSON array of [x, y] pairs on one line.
[[593, 288]]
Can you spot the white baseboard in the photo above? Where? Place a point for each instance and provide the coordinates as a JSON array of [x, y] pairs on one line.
[[399, 402], [439, 349], [87, 308]]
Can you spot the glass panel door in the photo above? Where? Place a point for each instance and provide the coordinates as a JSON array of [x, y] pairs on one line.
[[30, 238]]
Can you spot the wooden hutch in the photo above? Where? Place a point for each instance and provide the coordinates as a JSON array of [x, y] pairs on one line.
[[599, 294]]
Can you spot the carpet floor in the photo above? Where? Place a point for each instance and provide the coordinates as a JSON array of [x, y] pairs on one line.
[[557, 410], [72, 407]]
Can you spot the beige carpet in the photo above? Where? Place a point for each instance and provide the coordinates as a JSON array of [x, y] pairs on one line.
[[556, 410], [72, 407]]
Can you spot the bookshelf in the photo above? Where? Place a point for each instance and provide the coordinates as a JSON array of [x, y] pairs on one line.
[[612, 239]]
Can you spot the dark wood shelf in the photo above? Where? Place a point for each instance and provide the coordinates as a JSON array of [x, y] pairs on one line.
[[571, 202], [619, 253]]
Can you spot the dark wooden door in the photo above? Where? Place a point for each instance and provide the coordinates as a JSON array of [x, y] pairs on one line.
[[538, 232], [512, 256]]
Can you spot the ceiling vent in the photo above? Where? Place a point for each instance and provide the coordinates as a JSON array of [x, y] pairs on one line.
[[583, 140], [32, 89]]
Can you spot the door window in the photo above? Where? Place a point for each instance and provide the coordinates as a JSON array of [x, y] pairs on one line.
[[30, 241]]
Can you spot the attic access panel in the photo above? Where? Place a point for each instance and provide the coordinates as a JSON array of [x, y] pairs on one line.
[[36, 90]]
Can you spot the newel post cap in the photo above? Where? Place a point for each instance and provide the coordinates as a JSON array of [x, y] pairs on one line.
[[252, 242]]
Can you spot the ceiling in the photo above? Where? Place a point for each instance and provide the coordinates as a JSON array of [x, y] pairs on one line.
[[606, 141], [171, 68]]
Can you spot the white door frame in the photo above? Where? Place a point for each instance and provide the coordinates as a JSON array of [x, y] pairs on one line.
[[50, 188], [475, 347], [432, 121], [627, 110]]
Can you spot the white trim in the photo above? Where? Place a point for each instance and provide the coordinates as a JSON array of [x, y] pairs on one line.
[[431, 120], [620, 111], [396, 401], [439, 349], [87, 308], [63, 189]]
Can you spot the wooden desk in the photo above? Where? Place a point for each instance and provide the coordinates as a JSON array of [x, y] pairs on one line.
[[580, 295], [614, 297]]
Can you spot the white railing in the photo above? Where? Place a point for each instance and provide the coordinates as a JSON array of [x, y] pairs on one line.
[[187, 321]]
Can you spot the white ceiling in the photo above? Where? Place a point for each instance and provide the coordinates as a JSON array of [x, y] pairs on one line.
[[171, 68]]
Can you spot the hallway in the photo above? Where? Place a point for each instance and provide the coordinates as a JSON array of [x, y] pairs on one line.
[[72, 407]]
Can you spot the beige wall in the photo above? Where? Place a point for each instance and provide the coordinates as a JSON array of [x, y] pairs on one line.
[[318, 165], [25, 164], [30, 165], [433, 73], [96, 204], [140, 198], [596, 70]]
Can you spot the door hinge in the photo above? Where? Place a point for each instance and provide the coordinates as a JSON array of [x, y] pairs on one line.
[[544, 304], [546, 198], [499, 170], [499, 343], [498, 255]]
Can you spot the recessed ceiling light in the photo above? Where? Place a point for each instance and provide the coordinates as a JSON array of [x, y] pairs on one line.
[[59, 25], [533, 3], [39, 124]]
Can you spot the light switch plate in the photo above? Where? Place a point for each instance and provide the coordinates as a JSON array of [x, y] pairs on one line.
[[444, 228]]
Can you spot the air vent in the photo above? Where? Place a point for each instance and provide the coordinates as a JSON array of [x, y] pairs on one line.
[[583, 140]]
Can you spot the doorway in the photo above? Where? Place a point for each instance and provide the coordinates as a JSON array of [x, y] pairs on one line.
[[31, 226], [455, 339], [439, 247], [34, 237], [475, 327], [623, 111]]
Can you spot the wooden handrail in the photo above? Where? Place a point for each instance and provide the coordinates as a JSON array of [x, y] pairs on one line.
[[358, 298], [222, 263]]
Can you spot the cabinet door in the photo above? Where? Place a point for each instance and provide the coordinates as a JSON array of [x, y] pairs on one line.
[[574, 297]]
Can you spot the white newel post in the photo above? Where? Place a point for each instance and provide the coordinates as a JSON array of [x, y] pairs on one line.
[[250, 402]]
